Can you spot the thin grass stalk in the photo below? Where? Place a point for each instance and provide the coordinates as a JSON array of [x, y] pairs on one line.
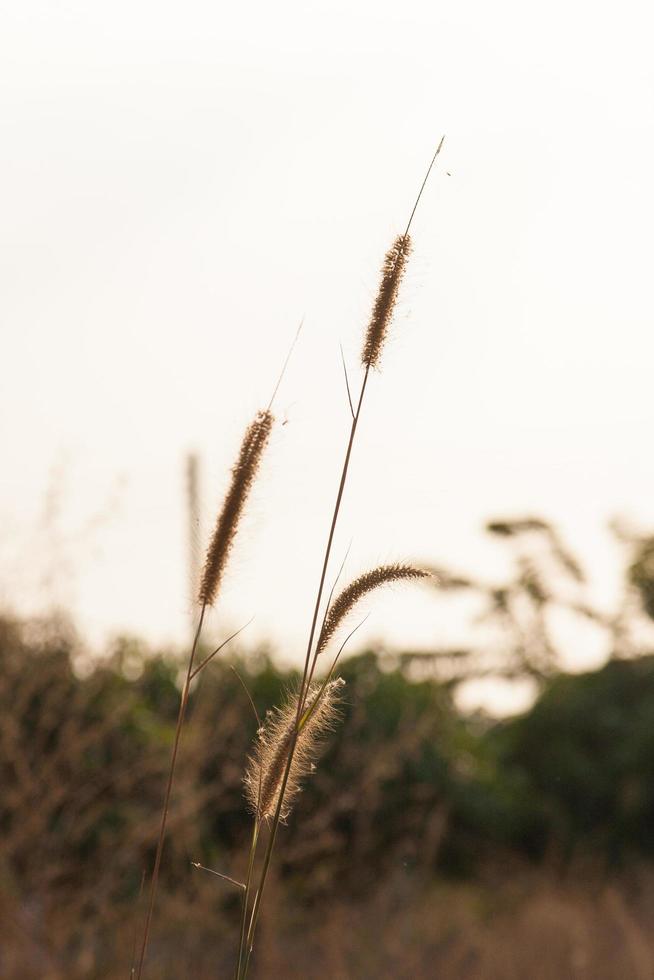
[[132, 972], [169, 785], [307, 664], [218, 874], [246, 898], [303, 689], [243, 476], [256, 827]]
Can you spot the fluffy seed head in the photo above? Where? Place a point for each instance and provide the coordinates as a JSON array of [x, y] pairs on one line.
[[264, 773], [359, 588], [391, 277], [244, 474]]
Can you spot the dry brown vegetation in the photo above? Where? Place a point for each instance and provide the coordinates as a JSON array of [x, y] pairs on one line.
[[354, 894]]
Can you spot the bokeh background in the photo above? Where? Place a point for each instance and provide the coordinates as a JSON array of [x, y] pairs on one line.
[[180, 187]]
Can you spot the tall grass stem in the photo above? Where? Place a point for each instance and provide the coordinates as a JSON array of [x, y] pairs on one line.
[[169, 785], [307, 664]]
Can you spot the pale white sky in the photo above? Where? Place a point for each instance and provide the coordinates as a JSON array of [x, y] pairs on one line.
[[180, 183]]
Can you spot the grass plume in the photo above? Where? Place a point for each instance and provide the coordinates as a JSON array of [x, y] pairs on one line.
[[265, 770], [360, 587], [392, 274], [244, 474]]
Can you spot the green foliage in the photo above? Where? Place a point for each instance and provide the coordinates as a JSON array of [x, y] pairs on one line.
[[585, 755], [406, 785]]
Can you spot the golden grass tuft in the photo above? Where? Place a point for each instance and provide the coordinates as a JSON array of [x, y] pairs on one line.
[[391, 277], [244, 474], [264, 773], [360, 587]]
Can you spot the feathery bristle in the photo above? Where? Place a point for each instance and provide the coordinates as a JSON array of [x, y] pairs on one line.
[[265, 769], [382, 311], [243, 477], [356, 590]]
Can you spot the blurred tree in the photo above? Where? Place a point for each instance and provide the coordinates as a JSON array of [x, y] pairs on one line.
[[585, 756]]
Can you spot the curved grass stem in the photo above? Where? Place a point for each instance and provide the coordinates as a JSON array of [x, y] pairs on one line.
[[169, 785], [309, 663], [246, 897], [303, 685]]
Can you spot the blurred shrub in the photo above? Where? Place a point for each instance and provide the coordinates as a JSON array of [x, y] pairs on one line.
[[406, 786], [585, 757]]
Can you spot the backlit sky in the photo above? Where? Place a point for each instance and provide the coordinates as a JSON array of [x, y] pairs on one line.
[[181, 183]]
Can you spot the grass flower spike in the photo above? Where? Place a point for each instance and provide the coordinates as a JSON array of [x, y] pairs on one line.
[[243, 476], [265, 771], [360, 587], [382, 312]]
